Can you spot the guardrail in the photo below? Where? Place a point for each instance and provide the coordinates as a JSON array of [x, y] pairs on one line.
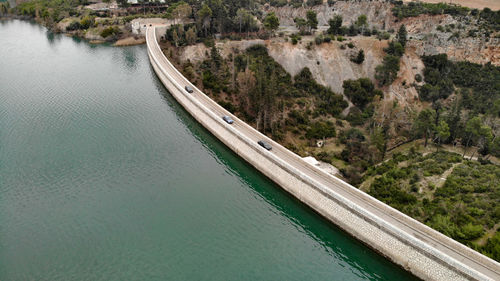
[[404, 237]]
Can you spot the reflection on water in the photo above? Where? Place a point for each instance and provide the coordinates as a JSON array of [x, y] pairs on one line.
[[103, 176]]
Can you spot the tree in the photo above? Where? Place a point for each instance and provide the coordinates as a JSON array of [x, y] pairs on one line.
[[378, 139], [122, 3], [402, 35], [301, 24], [395, 48], [175, 37], [204, 16], [320, 130], [424, 124], [191, 35], [477, 133], [386, 72], [220, 12], [245, 19], [359, 58], [181, 11], [271, 22], [312, 20], [246, 82], [360, 92], [335, 24], [442, 131], [361, 22]]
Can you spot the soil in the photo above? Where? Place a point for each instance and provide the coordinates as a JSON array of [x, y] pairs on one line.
[[129, 41]]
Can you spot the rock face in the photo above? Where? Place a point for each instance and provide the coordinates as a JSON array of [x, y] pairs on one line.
[[426, 39], [378, 13], [329, 64]]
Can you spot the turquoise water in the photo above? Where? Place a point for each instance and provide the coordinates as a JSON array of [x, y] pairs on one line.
[[103, 176]]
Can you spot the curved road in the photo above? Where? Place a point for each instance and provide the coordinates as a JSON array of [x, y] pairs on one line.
[[468, 257]]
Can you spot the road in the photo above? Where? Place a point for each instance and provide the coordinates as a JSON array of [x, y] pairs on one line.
[[413, 228]]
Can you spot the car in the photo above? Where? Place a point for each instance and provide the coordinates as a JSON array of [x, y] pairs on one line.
[[228, 119], [265, 145], [188, 89]]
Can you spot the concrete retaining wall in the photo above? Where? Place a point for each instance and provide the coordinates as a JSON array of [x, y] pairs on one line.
[[405, 250]]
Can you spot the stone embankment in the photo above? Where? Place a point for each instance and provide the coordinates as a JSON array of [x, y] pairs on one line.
[[421, 250]]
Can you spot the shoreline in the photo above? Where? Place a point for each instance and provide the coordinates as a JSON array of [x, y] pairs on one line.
[[122, 41]]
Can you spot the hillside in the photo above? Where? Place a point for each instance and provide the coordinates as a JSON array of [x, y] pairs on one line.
[[396, 96]]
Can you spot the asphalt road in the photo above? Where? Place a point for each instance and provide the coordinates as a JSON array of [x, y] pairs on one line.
[[413, 228]]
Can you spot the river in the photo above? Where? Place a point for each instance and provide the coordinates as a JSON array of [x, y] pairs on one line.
[[103, 176]]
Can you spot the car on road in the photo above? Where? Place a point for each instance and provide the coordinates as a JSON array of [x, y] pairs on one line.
[[188, 89], [265, 145], [228, 119]]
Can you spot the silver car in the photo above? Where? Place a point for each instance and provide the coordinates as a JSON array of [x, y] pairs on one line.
[[228, 119]]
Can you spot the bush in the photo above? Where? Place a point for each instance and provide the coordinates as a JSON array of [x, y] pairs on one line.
[[359, 58], [312, 3], [110, 30], [86, 22], [74, 25], [360, 92], [321, 130], [418, 77], [384, 35], [318, 40]]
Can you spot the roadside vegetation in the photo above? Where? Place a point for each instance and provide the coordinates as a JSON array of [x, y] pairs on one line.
[[463, 205]]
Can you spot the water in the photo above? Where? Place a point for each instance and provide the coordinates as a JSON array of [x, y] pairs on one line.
[[103, 176]]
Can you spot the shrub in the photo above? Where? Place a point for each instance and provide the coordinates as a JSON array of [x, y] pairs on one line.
[[110, 30], [74, 25], [359, 58]]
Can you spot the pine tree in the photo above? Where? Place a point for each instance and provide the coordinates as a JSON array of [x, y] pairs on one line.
[[402, 35]]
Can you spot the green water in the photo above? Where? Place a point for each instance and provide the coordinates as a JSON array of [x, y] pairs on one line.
[[103, 176]]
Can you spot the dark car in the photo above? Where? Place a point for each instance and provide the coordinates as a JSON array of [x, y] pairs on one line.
[[265, 145], [188, 89], [228, 119]]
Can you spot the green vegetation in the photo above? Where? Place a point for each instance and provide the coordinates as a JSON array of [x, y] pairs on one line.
[[360, 58], [110, 31], [360, 26], [472, 116], [489, 20], [264, 94], [360, 92], [387, 72], [271, 22], [414, 9], [464, 207], [51, 11], [182, 35], [480, 84]]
